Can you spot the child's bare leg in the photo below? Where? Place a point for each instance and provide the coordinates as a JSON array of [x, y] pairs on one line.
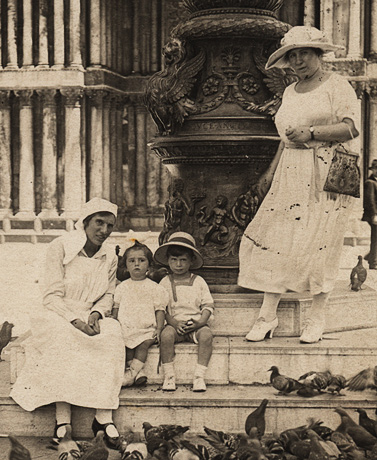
[[205, 338], [168, 336], [141, 351], [168, 339], [130, 353]]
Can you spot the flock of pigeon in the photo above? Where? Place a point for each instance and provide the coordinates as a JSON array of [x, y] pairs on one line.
[[313, 441]]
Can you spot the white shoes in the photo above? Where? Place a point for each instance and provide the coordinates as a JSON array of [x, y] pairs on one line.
[[261, 329], [199, 384], [312, 331], [169, 383], [128, 379]]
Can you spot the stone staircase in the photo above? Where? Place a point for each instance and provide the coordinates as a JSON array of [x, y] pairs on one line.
[[238, 373]]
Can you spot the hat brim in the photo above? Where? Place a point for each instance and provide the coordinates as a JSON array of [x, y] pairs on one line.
[[277, 58], [160, 256]]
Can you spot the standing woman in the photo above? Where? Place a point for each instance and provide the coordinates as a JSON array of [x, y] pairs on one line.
[[75, 354], [294, 242]]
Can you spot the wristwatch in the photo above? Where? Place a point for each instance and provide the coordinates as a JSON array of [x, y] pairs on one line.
[[311, 129]]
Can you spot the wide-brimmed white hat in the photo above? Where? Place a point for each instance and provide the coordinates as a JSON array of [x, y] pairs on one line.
[[300, 37], [179, 239]]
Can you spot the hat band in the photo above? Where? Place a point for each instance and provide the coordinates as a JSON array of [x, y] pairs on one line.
[[181, 240]]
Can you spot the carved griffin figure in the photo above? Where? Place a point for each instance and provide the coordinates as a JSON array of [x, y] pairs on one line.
[[167, 92]]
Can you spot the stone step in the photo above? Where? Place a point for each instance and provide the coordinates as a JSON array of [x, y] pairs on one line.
[[220, 408], [236, 312], [235, 360]]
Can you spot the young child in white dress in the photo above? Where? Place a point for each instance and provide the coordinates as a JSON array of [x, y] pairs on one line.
[[139, 305], [190, 307]]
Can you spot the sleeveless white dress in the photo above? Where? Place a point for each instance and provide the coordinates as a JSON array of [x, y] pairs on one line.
[[294, 242]]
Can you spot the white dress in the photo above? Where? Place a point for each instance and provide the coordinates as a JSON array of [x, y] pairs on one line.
[[62, 363], [138, 302], [294, 242]]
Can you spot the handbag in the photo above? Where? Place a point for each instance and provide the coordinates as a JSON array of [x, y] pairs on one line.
[[344, 173]]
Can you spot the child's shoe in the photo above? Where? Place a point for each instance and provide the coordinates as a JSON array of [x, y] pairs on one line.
[[132, 373], [199, 384], [169, 383]]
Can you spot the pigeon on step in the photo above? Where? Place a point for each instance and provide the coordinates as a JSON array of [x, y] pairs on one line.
[[366, 422], [5, 335], [18, 451], [316, 380], [337, 384], [360, 435], [365, 379], [358, 275], [257, 419], [282, 383]]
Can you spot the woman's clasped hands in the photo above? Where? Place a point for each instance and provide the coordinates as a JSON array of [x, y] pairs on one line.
[[298, 135], [92, 327]]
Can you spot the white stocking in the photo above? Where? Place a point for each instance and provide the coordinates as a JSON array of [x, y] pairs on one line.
[[269, 306]]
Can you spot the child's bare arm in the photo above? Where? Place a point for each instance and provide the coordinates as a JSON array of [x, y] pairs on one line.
[[115, 311], [178, 325], [160, 320], [198, 323]]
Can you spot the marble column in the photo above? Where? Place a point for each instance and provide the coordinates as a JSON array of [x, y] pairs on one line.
[[5, 156], [113, 147], [372, 89], [155, 52], [119, 150], [96, 143], [49, 155], [131, 157], [106, 145], [43, 38], [327, 18], [95, 33], [12, 35], [104, 9], [75, 59], [373, 31], [141, 154], [72, 153], [136, 40], [354, 33], [27, 39], [59, 34], [309, 13], [26, 192]]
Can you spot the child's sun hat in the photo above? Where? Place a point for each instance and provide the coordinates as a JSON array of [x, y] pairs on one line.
[[179, 239]]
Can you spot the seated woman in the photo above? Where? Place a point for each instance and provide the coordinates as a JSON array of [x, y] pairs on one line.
[[75, 354]]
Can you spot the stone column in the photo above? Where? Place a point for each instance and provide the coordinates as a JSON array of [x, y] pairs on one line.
[[141, 153], [113, 147], [354, 30], [327, 18], [373, 30], [119, 150], [75, 59], [309, 13], [5, 156], [59, 34], [95, 33], [372, 89], [106, 146], [43, 40], [104, 8], [72, 153], [26, 192], [49, 155], [27, 39], [12, 35], [96, 145], [136, 44]]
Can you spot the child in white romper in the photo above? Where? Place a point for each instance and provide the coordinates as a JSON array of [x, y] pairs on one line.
[[139, 305], [190, 307]]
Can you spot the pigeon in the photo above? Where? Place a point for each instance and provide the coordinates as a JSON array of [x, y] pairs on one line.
[[283, 383], [337, 384], [365, 379], [18, 451], [359, 434], [366, 422], [98, 449], [257, 419], [294, 444], [220, 440], [5, 335], [358, 275], [68, 448], [317, 450], [135, 451], [155, 434], [185, 450], [316, 380]]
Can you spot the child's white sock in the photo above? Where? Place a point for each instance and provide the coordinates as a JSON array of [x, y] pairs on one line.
[[168, 369], [128, 364], [136, 366], [63, 415], [200, 370]]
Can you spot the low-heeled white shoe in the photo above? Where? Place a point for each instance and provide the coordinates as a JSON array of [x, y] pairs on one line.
[[262, 329], [312, 331]]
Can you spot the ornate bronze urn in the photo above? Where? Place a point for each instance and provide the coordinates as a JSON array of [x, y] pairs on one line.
[[213, 105]]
